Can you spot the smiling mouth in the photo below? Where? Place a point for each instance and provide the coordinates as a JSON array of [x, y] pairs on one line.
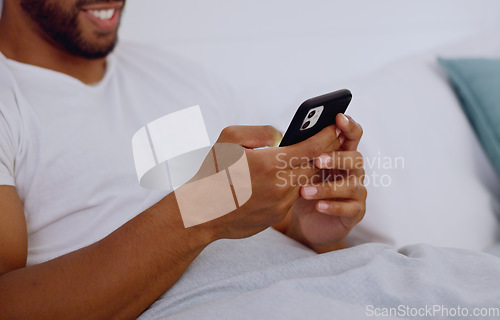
[[105, 16]]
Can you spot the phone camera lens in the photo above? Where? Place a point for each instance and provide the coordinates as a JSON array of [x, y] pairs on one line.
[[305, 125], [311, 114]]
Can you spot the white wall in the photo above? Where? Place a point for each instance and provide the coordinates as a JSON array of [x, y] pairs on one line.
[[278, 51]]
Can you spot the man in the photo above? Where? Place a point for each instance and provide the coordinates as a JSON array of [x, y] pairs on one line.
[[79, 238]]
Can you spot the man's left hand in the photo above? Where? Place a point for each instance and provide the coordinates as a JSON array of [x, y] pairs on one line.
[[332, 205]]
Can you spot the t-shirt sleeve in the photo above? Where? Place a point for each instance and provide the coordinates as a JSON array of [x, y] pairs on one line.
[[7, 151]]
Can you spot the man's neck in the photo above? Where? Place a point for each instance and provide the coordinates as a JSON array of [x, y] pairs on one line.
[[23, 43]]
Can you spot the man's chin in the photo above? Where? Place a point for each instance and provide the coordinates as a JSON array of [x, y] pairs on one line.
[[94, 46]]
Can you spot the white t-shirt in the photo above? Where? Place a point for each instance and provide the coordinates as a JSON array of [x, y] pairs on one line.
[[67, 149]]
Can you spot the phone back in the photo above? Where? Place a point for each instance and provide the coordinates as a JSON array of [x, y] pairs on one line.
[[314, 115]]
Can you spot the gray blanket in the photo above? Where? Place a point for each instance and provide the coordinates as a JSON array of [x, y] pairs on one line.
[[269, 276]]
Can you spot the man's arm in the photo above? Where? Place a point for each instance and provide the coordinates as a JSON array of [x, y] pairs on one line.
[[122, 274], [117, 277], [13, 235]]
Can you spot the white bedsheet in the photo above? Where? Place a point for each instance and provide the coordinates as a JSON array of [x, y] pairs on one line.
[[269, 276]]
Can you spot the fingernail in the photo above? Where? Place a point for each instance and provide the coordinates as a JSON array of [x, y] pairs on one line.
[[338, 131], [345, 118], [342, 139], [322, 206], [310, 191], [324, 160], [277, 139]]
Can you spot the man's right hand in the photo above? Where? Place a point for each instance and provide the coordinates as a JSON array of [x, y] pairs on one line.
[[276, 176]]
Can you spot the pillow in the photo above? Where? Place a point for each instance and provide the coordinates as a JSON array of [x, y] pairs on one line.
[[444, 192], [477, 84]]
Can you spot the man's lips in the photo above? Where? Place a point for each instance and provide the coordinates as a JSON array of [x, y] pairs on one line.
[[104, 6], [104, 16]]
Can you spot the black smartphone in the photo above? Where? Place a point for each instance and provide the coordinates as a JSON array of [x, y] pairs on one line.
[[314, 115]]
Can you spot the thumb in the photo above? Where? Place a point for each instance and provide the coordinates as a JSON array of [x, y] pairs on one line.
[[313, 147], [251, 136]]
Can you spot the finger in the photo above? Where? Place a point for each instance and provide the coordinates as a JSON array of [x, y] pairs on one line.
[[303, 177], [350, 188], [336, 174], [351, 131], [350, 212], [331, 175], [298, 177], [313, 147], [343, 160], [251, 136], [347, 209]]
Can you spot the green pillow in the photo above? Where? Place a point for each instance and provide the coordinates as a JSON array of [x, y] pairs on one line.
[[477, 84]]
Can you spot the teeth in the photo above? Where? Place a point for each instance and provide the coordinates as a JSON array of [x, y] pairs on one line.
[[103, 14]]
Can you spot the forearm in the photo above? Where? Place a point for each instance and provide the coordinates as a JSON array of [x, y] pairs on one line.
[[117, 277]]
